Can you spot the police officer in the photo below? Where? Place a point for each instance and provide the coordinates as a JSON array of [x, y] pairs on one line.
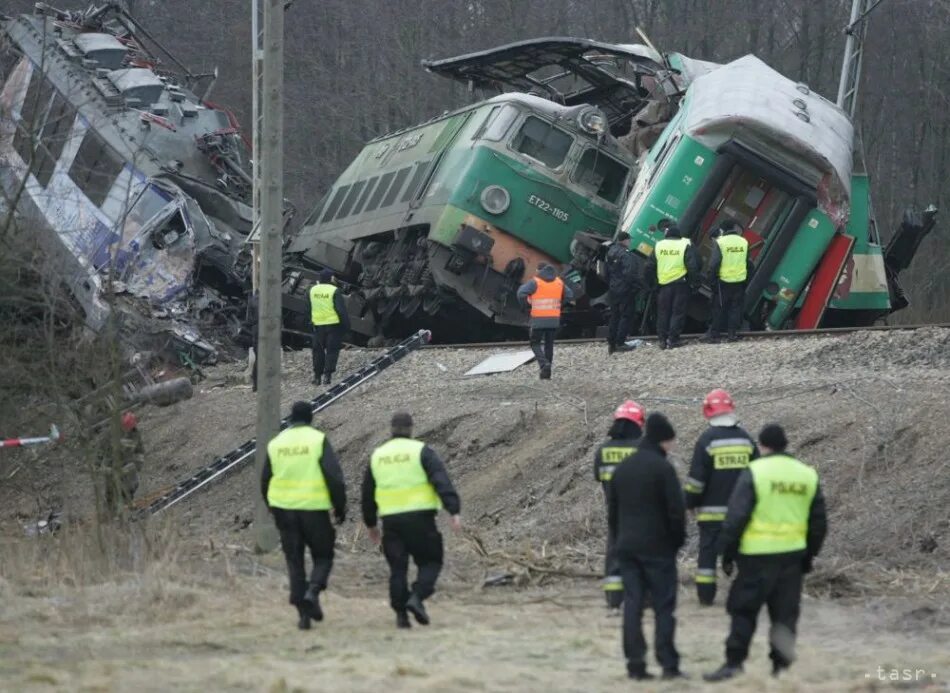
[[623, 281], [546, 293], [623, 438], [774, 528], [729, 266], [674, 267], [330, 322], [405, 484], [645, 512], [721, 453], [301, 482]]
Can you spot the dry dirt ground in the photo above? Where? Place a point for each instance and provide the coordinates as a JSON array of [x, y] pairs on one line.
[[869, 410]]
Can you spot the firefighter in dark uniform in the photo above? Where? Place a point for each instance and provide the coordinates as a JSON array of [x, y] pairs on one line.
[[624, 436], [729, 267], [674, 267], [124, 465], [721, 453], [405, 484], [623, 281], [546, 293], [646, 514], [774, 528], [330, 322], [302, 482]]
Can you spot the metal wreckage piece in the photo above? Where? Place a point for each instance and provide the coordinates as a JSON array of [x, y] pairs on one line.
[[135, 188]]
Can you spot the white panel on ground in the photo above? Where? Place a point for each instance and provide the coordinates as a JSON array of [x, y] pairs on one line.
[[502, 363]]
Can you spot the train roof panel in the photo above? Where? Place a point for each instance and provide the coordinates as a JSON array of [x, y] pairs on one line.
[[748, 96], [568, 70]]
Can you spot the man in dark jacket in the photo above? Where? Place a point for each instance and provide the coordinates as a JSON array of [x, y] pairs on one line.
[[546, 294], [405, 484], [674, 268], [645, 511], [330, 323], [722, 452], [301, 482], [623, 439], [623, 280], [774, 528]]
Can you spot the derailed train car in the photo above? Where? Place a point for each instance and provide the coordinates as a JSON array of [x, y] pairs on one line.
[[445, 219], [125, 176]]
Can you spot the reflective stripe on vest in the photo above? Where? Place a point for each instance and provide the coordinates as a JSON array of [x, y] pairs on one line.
[[731, 453], [784, 489], [671, 260], [613, 583], [735, 251], [297, 482], [322, 311], [711, 513], [401, 482], [610, 457], [546, 299]]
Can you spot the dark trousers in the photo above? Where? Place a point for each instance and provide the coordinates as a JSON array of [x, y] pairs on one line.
[[728, 300], [613, 580], [775, 581], [326, 343], [546, 335], [411, 534], [658, 576], [671, 302], [301, 530], [622, 313], [706, 563]]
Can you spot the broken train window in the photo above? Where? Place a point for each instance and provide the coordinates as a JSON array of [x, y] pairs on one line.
[[601, 174], [46, 120], [542, 142], [95, 167]]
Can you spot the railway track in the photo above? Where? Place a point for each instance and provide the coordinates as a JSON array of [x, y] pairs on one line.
[[767, 334]]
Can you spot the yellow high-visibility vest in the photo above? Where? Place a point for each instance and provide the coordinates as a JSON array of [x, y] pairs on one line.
[[735, 251], [784, 489], [297, 482], [671, 260], [402, 485], [610, 458], [322, 311]]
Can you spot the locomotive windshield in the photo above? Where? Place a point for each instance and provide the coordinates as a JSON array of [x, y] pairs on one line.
[[542, 142], [601, 174]]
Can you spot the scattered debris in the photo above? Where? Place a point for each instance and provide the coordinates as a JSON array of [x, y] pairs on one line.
[[53, 437], [504, 362]]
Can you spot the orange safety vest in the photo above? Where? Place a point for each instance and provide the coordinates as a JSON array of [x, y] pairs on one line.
[[546, 300]]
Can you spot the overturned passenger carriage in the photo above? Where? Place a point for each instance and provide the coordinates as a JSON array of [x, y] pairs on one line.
[[129, 178]]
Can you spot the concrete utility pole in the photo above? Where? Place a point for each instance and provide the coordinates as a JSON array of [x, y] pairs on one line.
[[272, 223]]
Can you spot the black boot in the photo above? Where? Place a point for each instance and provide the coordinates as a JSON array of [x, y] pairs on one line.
[[545, 373], [415, 607], [326, 378], [670, 674], [316, 379], [311, 602], [610, 348], [303, 622], [402, 620], [723, 673], [639, 674], [662, 344]]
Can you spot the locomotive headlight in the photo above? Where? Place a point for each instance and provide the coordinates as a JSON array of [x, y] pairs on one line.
[[495, 199], [592, 121]]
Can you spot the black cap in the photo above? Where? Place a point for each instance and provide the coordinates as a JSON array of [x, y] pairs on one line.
[[623, 236], [773, 438], [659, 428], [402, 420], [325, 275], [301, 412]]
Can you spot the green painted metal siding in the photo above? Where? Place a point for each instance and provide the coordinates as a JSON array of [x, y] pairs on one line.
[[543, 212], [798, 264], [681, 172]]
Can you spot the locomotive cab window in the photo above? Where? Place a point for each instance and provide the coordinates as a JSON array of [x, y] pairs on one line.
[[542, 142], [497, 124], [601, 174]]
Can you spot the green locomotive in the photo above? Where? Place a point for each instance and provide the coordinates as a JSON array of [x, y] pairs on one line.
[[439, 223]]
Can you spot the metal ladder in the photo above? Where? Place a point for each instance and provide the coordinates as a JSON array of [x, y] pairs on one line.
[[243, 455]]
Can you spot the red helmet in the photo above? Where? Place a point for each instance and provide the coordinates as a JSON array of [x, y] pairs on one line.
[[718, 402], [129, 421], [631, 411]]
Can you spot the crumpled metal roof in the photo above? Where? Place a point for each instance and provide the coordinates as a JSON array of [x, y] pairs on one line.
[[747, 95]]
